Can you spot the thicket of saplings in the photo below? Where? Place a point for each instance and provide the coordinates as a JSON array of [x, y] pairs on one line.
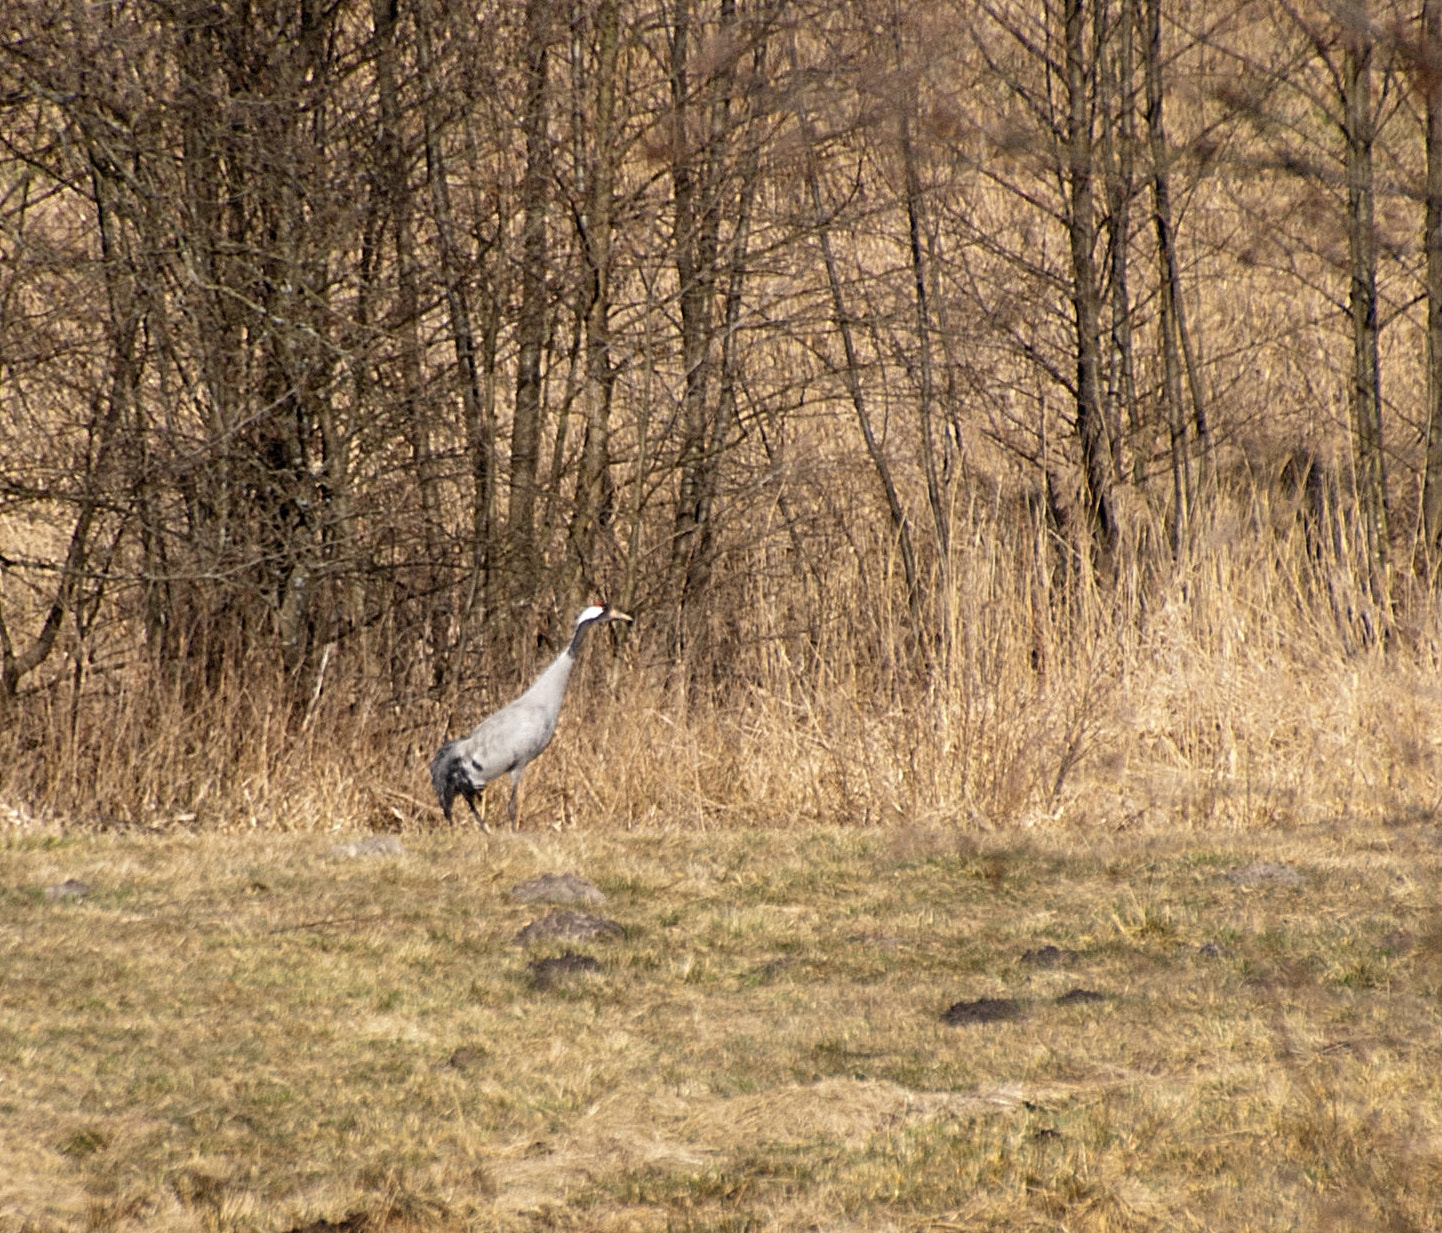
[[1014, 420], [1250, 682]]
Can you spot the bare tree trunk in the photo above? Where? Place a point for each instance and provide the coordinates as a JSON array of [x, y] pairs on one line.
[[1362, 304], [1431, 75], [16, 665], [124, 318], [1169, 286], [549, 496], [841, 319], [337, 443], [1200, 416], [209, 230], [701, 558], [531, 319], [915, 226], [592, 496], [695, 180], [414, 416], [479, 417], [1119, 101], [1097, 471], [481, 439], [300, 368]]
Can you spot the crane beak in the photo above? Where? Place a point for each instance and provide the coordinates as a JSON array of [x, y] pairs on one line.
[[616, 614]]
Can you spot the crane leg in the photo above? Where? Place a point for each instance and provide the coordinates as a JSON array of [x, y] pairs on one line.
[[475, 813], [511, 805]]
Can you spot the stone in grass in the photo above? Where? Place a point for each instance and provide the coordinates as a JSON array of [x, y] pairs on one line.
[[1073, 996], [71, 888], [1049, 956], [983, 1010], [568, 926], [548, 973], [882, 941], [352, 1222], [558, 888], [1398, 942], [463, 1058], [1265, 873], [371, 845]]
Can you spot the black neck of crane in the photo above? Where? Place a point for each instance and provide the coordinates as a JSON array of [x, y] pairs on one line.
[[580, 636]]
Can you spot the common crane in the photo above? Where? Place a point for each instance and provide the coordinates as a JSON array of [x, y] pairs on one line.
[[509, 740]]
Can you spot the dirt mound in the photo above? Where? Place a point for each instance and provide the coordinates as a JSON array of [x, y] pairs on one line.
[[983, 1010], [558, 888], [567, 925]]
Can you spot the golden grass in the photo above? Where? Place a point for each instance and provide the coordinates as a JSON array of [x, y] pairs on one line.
[[254, 1032], [241, 1029], [814, 852], [1235, 688]]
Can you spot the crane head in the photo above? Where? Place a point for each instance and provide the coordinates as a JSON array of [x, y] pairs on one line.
[[600, 612]]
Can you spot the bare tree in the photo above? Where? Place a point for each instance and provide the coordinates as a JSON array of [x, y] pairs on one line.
[[480, 426], [732, 168], [1117, 106], [596, 221], [908, 107], [399, 206], [1170, 323], [1078, 170], [1429, 74], [531, 324], [1366, 386], [700, 125], [842, 322]]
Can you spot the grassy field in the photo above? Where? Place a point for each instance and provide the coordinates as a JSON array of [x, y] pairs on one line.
[[267, 1032]]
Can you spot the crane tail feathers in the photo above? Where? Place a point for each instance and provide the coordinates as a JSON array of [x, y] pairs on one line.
[[451, 778]]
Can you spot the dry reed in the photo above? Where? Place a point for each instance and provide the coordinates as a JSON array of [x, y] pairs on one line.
[[1240, 686]]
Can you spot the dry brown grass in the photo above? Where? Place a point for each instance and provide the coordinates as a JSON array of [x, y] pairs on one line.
[[816, 840], [1236, 688], [239, 1029], [252, 1032]]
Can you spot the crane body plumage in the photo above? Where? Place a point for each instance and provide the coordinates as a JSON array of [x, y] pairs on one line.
[[508, 741]]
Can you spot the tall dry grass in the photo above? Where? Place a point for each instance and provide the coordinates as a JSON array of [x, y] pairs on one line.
[[1241, 685]]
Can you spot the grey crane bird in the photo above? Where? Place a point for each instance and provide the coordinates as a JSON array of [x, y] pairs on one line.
[[509, 740]]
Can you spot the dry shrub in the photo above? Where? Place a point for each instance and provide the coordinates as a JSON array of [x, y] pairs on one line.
[[1244, 685]]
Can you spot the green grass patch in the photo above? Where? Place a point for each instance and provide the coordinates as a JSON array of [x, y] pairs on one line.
[[248, 1035]]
